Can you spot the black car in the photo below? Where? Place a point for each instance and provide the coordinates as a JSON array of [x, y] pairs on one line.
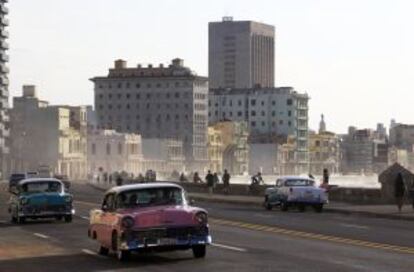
[[15, 178]]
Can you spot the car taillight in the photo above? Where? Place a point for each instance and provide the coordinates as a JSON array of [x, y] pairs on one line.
[[127, 222], [201, 218]]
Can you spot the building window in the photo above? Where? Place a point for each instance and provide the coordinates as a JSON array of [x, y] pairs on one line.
[[128, 96], [127, 106], [263, 113], [262, 103], [177, 95], [110, 106], [109, 96], [289, 102], [119, 85], [148, 95], [138, 96], [280, 122], [168, 96], [177, 84], [119, 96], [127, 85], [138, 85], [253, 124], [253, 113], [231, 103], [289, 113], [231, 114], [289, 123], [253, 102], [216, 113], [101, 96], [93, 149], [263, 124], [239, 114], [240, 102], [148, 85], [273, 103], [108, 149], [120, 148], [273, 113]]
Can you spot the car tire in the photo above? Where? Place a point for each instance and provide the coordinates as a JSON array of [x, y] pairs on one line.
[[199, 251], [284, 206], [268, 206], [68, 218], [21, 219], [301, 207], [104, 251], [121, 255], [318, 208]]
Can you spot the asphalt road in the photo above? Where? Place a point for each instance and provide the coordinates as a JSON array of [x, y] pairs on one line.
[[245, 239]]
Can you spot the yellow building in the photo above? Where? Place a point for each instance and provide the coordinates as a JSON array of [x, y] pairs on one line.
[[324, 152], [215, 150]]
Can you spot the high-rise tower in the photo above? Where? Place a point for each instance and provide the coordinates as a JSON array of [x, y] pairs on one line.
[[4, 84]]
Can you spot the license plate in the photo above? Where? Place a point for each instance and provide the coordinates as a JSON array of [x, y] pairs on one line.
[[168, 241]]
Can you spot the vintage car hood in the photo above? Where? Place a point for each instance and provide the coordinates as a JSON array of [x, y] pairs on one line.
[[44, 198], [163, 216]]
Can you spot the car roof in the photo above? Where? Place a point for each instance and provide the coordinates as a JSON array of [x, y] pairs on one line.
[[123, 188], [34, 180], [295, 178]]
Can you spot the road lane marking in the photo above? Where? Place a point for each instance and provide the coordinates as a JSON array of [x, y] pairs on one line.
[[314, 236], [89, 252], [85, 217], [263, 215], [229, 247], [41, 235], [355, 226]]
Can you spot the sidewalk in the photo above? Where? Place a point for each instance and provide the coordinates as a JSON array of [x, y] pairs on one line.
[[379, 211]]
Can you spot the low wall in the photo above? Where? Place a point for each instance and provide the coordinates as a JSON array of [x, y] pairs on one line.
[[337, 194]]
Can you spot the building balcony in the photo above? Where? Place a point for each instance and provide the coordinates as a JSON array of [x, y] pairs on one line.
[[4, 33], [4, 45], [4, 57], [4, 9], [4, 21], [4, 80]]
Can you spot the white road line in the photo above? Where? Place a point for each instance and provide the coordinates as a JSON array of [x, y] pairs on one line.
[[41, 235], [85, 217], [89, 252], [229, 247], [354, 226], [263, 215]]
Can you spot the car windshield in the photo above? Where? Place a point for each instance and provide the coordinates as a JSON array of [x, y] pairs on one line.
[[299, 182], [17, 176], [150, 197], [41, 187]]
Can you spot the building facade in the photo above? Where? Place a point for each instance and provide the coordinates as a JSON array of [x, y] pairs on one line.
[[4, 90], [402, 136], [241, 54], [42, 135], [324, 152], [235, 149], [110, 152], [215, 150], [156, 102], [272, 115]]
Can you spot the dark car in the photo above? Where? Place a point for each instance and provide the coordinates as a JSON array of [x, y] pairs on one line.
[[15, 178]]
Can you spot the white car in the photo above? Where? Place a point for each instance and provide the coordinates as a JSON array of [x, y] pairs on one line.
[[295, 191]]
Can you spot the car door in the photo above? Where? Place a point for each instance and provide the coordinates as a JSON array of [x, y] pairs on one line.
[[108, 218]]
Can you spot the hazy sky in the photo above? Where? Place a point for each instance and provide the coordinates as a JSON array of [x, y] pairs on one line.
[[355, 58]]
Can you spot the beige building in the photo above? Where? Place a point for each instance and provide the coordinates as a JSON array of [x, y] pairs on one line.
[[215, 150], [164, 156], [324, 152], [110, 151], [43, 135], [163, 102], [234, 137], [241, 54]]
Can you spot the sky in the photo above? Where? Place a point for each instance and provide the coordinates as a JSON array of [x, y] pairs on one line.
[[354, 58]]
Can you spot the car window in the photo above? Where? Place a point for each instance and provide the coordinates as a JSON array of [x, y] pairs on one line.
[[299, 182], [150, 197], [279, 183], [41, 187], [109, 202]]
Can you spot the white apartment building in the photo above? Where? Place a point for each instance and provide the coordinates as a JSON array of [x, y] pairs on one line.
[[272, 114], [110, 151], [156, 102]]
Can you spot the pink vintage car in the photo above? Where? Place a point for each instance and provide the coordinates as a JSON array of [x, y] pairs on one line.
[[149, 217]]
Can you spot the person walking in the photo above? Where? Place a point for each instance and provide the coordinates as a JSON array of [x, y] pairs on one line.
[[216, 180], [399, 191], [226, 182], [119, 181], [210, 182]]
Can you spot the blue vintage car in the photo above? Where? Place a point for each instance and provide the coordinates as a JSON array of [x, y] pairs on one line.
[[40, 198]]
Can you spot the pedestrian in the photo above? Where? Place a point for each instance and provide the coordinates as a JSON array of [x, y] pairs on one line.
[[216, 180], [119, 181], [183, 178], [325, 176], [196, 178], [255, 182], [226, 182], [412, 193], [399, 191], [210, 182]]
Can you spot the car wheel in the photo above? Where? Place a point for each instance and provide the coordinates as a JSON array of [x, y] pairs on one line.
[[199, 251], [284, 206], [21, 219], [301, 207], [104, 251], [121, 255], [268, 206], [68, 218], [318, 208]]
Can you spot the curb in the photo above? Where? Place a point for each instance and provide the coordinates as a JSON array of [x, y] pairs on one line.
[[255, 203]]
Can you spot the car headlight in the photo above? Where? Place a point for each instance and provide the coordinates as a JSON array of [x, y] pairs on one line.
[[24, 201], [201, 218], [127, 222]]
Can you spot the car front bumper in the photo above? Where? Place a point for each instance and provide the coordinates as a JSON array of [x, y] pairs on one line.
[[160, 243], [44, 213]]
